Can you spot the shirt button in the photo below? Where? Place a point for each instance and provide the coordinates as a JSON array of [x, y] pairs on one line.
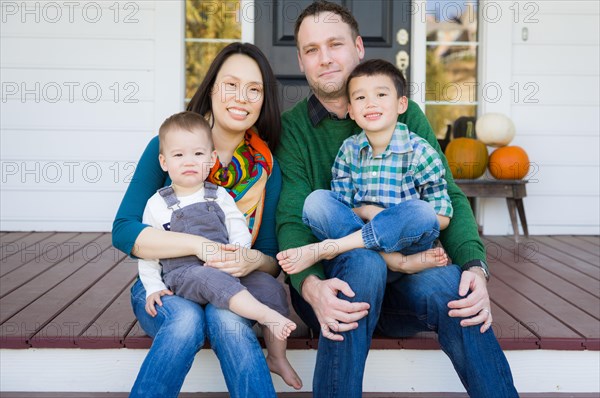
[[374, 173]]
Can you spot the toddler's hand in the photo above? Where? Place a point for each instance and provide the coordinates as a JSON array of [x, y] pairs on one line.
[[154, 299]]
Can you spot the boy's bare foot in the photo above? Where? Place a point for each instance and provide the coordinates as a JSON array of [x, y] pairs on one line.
[[279, 326], [293, 261], [413, 263], [283, 368]]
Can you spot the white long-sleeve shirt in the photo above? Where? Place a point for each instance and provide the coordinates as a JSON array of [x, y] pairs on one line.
[[157, 215]]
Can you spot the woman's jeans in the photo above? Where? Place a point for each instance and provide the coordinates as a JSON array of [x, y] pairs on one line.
[[179, 331], [412, 303]]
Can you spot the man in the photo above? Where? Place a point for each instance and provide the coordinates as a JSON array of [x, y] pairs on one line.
[[347, 298]]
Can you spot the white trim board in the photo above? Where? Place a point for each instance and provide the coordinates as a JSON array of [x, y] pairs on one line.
[[114, 370]]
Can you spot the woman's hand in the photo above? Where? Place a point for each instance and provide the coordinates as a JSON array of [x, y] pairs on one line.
[[237, 261]]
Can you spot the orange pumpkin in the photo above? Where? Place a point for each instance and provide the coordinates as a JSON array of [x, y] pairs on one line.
[[467, 156], [509, 163]]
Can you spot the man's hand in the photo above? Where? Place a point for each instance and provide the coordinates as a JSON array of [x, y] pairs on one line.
[[335, 315], [154, 299], [476, 306]]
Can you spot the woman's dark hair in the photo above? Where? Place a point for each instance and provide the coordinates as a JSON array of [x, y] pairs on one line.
[[268, 123]]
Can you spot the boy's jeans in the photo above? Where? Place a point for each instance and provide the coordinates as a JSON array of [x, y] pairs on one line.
[[412, 303], [179, 331], [409, 227]]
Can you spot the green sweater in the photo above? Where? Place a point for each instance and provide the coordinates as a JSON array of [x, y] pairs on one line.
[[306, 154]]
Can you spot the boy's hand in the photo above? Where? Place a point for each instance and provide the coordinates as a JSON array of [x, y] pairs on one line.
[[154, 299]]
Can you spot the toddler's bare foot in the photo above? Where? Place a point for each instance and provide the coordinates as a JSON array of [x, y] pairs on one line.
[[279, 326], [417, 262], [283, 368], [293, 261]]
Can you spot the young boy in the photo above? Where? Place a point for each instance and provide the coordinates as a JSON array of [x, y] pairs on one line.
[[193, 205], [377, 175]]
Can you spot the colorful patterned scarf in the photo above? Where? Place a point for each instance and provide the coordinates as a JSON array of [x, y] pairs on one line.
[[245, 177]]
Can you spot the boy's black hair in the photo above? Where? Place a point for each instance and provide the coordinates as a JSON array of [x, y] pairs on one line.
[[374, 67]]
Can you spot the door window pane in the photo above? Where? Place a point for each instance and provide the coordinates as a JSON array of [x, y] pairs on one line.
[[210, 26], [451, 68]]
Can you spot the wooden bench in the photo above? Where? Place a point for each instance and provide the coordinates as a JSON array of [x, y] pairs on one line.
[[513, 190]]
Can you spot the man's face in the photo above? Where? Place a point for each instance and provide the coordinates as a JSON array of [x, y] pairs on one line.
[[327, 53]]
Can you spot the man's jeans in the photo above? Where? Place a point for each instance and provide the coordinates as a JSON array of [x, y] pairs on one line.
[[179, 331], [412, 303]]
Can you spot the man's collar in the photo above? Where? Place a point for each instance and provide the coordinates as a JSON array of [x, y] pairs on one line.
[[318, 112]]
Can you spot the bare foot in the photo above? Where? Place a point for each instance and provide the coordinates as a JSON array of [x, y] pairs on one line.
[[417, 262], [279, 326], [293, 261], [283, 368]]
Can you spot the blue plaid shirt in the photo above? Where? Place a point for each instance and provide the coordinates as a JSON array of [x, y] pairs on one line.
[[408, 169]]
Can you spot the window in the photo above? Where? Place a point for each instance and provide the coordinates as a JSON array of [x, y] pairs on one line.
[[451, 71], [210, 26]]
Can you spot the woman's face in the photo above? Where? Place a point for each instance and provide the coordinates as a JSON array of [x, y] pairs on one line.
[[237, 95]]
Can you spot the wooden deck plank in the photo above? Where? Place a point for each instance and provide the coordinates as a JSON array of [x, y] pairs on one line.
[[535, 301], [581, 244], [574, 251], [557, 249], [43, 310], [531, 252], [575, 321], [537, 321], [34, 269], [34, 250], [27, 293], [111, 327], [9, 237], [531, 266], [592, 239], [22, 246], [511, 333], [82, 313]]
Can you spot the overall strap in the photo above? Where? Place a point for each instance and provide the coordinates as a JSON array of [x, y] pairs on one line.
[[210, 191], [168, 194]]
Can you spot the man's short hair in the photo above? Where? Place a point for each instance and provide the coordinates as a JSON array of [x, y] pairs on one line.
[[374, 67], [188, 121], [325, 6]]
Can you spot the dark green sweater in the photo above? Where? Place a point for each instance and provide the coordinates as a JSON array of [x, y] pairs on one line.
[[306, 154]]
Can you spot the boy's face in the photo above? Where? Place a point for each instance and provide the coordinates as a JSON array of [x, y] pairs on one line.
[[327, 53], [187, 157], [374, 102]]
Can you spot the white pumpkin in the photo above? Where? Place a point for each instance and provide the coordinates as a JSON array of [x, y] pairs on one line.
[[495, 129]]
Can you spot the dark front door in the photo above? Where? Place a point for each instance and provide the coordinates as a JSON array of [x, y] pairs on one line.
[[384, 26]]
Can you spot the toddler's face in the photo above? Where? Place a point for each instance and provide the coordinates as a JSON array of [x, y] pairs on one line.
[[187, 157], [374, 102]]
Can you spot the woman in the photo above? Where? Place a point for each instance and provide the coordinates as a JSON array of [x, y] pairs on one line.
[[239, 98]]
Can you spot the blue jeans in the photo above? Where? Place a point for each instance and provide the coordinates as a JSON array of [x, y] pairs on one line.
[[412, 303], [179, 331], [409, 227]]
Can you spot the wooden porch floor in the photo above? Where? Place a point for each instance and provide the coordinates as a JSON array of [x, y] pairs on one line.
[[61, 290]]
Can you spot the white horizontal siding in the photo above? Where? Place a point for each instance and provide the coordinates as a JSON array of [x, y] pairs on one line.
[[83, 90], [554, 101]]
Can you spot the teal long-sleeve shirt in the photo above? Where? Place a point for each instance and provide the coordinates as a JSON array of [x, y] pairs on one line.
[[149, 177], [306, 154]]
